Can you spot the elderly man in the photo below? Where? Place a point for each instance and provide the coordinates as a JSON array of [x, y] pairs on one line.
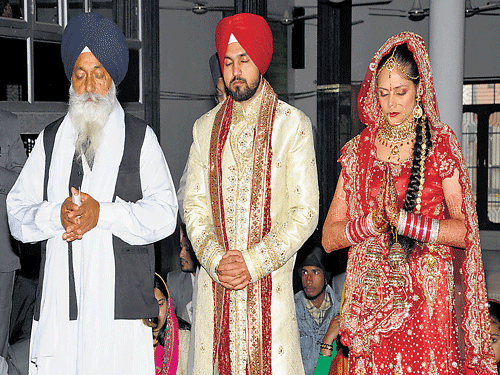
[[316, 305], [251, 201], [97, 268]]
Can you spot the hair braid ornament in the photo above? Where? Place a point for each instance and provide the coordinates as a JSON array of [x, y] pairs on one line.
[[422, 170]]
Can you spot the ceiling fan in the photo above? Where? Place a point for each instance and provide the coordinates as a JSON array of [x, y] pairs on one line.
[[472, 11], [199, 7], [287, 20], [418, 13]]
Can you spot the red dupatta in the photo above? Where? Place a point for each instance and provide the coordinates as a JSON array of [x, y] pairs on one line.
[[470, 291], [259, 292]]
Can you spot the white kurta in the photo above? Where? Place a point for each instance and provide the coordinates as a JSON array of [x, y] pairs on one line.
[[95, 343], [294, 216]]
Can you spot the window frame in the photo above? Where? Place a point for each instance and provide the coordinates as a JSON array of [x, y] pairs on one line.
[[483, 112], [31, 31]]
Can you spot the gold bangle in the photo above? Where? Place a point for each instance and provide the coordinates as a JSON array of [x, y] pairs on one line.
[[326, 346]]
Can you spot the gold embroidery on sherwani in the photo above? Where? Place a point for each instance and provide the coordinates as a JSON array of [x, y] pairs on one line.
[[241, 142], [260, 223], [241, 207]]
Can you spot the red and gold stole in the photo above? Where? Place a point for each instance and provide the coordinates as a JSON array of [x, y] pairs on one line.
[[259, 292]]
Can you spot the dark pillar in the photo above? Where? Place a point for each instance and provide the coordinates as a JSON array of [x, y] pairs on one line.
[[151, 51], [151, 74], [251, 6], [298, 39], [334, 98], [334, 105]]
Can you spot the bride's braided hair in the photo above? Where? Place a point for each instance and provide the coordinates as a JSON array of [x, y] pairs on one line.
[[404, 59]]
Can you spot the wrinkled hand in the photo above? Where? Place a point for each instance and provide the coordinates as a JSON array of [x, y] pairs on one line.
[[232, 271], [69, 219], [79, 220], [390, 200]]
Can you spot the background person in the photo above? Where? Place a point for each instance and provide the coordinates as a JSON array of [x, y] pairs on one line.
[[316, 306], [331, 359], [181, 282], [12, 158], [404, 203], [494, 310], [216, 73], [221, 95], [165, 331]]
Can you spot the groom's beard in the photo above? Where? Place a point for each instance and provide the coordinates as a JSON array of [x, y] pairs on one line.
[[89, 113]]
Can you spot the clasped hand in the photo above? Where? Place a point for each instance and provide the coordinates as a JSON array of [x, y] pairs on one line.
[[387, 210], [78, 220], [232, 271]]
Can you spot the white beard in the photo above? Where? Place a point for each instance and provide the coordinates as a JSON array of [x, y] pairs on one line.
[[89, 118]]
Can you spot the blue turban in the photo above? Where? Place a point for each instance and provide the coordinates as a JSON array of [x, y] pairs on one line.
[[104, 39]]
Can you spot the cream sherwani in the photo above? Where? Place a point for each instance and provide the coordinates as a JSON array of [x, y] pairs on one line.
[[294, 216]]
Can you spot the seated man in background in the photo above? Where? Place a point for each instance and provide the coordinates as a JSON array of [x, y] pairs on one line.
[[316, 305], [12, 158], [180, 282]]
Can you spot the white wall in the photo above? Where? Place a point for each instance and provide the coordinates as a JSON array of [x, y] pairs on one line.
[[482, 45], [369, 36], [482, 41], [186, 44]]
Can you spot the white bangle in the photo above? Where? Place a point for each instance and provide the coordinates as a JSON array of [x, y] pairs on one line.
[[402, 221], [370, 226], [434, 231], [347, 236]]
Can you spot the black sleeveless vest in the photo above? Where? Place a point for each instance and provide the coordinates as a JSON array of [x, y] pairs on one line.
[[134, 265]]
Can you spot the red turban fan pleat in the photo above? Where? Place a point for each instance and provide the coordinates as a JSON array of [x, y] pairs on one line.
[[252, 32]]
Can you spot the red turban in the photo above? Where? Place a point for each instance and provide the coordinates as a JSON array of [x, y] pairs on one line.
[[252, 32]]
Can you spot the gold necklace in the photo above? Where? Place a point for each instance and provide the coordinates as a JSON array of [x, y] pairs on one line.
[[395, 136]]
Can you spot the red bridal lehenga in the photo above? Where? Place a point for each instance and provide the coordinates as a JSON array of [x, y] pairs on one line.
[[434, 320]]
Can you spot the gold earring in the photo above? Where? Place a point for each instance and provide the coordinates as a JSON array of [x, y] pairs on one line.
[[417, 110]]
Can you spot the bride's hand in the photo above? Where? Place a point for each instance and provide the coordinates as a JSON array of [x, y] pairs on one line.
[[390, 200], [378, 214]]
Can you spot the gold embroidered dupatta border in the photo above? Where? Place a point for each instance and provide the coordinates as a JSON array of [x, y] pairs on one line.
[[259, 292]]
